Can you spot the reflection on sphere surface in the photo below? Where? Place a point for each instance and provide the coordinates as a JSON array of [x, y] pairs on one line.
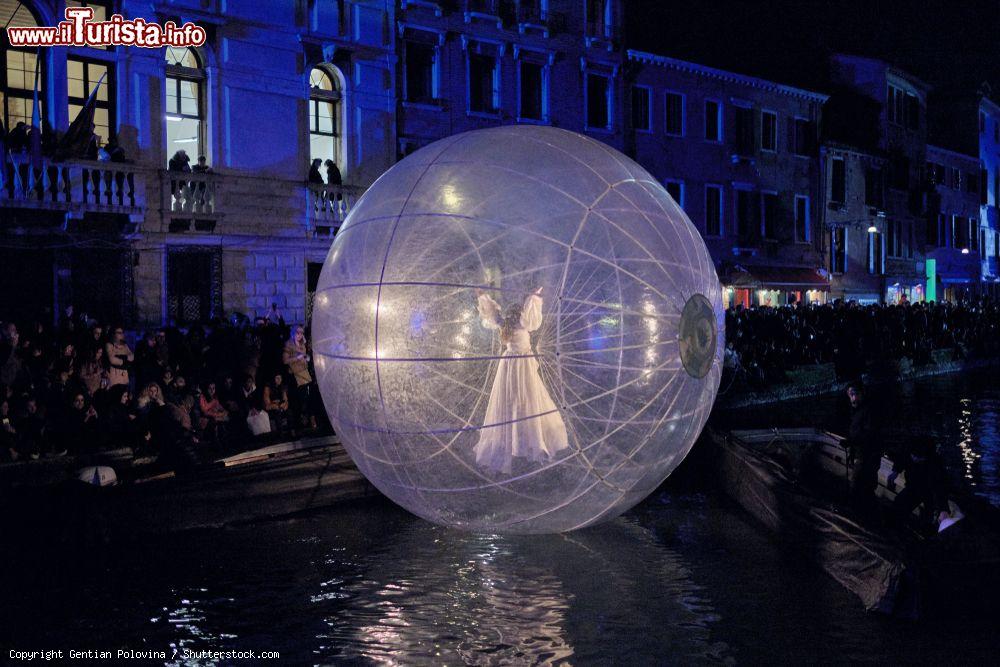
[[518, 330]]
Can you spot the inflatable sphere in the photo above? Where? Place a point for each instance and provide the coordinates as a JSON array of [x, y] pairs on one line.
[[517, 330]]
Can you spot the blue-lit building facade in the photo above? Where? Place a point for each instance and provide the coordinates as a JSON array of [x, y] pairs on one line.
[[276, 83], [968, 123], [786, 208], [740, 155]]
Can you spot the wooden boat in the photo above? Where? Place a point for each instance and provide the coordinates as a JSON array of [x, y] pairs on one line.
[[794, 481], [269, 482]]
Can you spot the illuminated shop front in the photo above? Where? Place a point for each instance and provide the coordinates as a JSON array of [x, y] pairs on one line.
[[904, 292], [772, 286]]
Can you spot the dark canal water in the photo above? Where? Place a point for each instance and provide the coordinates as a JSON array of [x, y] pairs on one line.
[[685, 578]]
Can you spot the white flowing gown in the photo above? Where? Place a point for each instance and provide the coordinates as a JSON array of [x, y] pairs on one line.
[[521, 418]]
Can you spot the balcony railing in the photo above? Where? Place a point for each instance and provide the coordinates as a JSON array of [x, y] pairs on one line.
[[73, 186], [327, 206], [191, 193]]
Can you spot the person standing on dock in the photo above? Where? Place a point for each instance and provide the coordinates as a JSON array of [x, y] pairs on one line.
[[864, 452]]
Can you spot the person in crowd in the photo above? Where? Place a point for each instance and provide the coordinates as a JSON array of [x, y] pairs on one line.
[[120, 419], [92, 372], [274, 315], [213, 414], [864, 451], [926, 481], [315, 177], [17, 139], [119, 356], [78, 425], [31, 430], [333, 173], [10, 358], [8, 434], [296, 358], [202, 166], [275, 398]]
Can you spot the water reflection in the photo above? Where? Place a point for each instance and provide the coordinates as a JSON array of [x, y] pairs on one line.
[[441, 596]]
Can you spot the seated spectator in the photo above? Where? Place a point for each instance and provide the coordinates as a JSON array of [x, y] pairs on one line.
[[78, 426], [275, 398], [92, 373], [213, 415], [120, 419]]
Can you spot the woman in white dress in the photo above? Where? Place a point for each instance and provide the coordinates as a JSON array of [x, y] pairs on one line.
[[521, 418]]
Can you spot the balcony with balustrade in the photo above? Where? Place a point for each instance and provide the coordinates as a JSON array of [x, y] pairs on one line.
[[327, 207], [191, 201], [74, 189]]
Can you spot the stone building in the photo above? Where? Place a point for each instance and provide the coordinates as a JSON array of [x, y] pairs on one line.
[[472, 64], [969, 124], [887, 107], [739, 154], [276, 83], [853, 202], [954, 235]]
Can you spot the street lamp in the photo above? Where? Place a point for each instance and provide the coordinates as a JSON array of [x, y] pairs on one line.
[[872, 229], [965, 251]]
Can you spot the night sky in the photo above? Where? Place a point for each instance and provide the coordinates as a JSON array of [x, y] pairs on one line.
[[948, 44]]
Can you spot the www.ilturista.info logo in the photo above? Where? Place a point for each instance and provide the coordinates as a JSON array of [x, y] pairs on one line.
[[79, 30]]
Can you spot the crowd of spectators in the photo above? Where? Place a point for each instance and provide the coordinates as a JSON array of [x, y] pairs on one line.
[[174, 393], [763, 343]]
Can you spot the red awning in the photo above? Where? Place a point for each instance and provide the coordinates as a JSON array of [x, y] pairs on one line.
[[776, 277]]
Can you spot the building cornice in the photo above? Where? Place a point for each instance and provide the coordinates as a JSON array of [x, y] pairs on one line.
[[723, 75], [952, 154]]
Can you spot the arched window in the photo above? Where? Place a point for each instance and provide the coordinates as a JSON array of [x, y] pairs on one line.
[[185, 115], [18, 67], [324, 116]]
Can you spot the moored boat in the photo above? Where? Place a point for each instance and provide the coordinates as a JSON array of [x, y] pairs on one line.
[[794, 482], [268, 482]]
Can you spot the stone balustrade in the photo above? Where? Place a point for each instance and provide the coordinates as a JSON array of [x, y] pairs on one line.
[[327, 206], [74, 186]]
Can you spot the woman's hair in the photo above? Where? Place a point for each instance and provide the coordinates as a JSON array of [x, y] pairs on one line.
[[510, 321]]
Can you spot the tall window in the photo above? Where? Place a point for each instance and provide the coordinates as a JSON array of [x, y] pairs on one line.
[[676, 190], [838, 250], [902, 108], [420, 81], [713, 210], [484, 83], [838, 181], [900, 239], [768, 131], [640, 108], [713, 120], [744, 131], [534, 91], [185, 103], [769, 215], [874, 188], [674, 123], [802, 233], [876, 254], [324, 116], [805, 133], [81, 77], [935, 229], [17, 69], [600, 18], [745, 205], [598, 101]]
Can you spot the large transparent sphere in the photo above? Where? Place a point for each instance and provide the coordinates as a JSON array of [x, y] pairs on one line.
[[518, 330]]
